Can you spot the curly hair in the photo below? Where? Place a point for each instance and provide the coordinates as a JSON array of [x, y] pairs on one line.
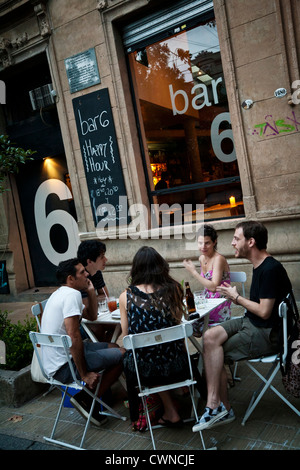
[[90, 249]]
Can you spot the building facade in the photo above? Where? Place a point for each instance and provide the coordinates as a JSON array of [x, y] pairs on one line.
[[147, 118]]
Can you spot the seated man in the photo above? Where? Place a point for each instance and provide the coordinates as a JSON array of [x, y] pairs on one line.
[[62, 315], [91, 253], [254, 335]]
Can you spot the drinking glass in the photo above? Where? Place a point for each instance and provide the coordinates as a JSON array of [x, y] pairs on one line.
[[112, 304], [200, 299], [102, 306]]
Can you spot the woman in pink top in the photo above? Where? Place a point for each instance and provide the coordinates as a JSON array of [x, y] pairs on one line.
[[214, 272]]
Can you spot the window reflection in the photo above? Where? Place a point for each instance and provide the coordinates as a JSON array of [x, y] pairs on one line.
[[182, 103]]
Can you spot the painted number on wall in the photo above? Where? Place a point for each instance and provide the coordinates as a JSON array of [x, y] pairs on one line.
[[217, 137], [45, 222]]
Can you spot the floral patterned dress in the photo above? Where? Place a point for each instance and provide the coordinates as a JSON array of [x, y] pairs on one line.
[[219, 314], [223, 312]]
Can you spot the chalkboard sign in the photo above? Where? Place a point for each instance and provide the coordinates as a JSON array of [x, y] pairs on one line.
[[101, 159]]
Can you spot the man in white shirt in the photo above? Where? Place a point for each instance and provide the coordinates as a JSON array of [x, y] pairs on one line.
[[62, 315]]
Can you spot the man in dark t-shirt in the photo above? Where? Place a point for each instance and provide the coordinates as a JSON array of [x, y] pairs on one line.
[[91, 254], [254, 335], [269, 281]]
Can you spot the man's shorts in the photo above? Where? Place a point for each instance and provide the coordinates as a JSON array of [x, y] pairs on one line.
[[97, 356], [246, 341]]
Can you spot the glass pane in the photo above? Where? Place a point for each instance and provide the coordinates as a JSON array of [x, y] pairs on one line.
[[182, 104]]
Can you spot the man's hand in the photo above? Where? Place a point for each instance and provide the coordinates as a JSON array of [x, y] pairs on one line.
[[230, 292], [91, 379], [90, 286]]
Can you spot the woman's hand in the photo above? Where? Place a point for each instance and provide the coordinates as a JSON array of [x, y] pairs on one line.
[[189, 265]]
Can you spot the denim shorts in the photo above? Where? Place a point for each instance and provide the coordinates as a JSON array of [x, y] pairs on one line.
[[97, 356], [247, 341]]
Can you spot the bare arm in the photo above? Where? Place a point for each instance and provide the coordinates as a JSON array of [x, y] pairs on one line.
[[77, 351], [123, 313], [91, 303], [219, 268], [263, 309]]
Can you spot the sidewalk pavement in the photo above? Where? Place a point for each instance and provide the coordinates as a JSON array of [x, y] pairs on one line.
[[272, 425]]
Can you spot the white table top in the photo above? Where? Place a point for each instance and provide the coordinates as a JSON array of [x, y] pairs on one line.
[[114, 317], [105, 317], [210, 305]]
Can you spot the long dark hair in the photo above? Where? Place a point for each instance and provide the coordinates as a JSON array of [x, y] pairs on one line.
[[149, 267]]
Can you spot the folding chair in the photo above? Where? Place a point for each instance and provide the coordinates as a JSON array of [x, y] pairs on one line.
[[274, 360], [241, 277], [37, 310], [155, 338], [65, 342]]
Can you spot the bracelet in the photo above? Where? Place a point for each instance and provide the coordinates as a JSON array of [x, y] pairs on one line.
[[236, 299]]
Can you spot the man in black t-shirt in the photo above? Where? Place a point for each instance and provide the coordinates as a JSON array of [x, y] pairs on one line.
[[255, 334], [91, 254]]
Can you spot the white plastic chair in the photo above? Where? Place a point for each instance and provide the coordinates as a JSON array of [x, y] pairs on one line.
[[238, 277], [274, 360], [241, 277], [155, 338], [37, 310], [65, 342]]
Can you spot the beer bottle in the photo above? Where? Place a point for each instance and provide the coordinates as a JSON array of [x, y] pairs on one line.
[[189, 299]]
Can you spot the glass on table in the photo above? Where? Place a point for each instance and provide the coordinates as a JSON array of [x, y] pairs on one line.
[[102, 305], [112, 304], [200, 299]]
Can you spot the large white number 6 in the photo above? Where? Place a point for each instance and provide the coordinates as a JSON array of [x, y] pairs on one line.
[[45, 223], [216, 138]]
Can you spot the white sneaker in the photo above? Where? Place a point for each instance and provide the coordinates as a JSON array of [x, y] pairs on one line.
[[210, 416], [225, 420]]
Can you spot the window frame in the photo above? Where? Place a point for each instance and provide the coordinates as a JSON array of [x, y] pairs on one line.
[[162, 35]]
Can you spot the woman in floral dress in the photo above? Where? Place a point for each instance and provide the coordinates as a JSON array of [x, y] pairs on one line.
[[214, 272]]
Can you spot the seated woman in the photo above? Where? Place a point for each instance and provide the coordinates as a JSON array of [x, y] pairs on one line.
[[214, 272], [154, 300]]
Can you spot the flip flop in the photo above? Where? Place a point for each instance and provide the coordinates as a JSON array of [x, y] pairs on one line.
[[170, 424]]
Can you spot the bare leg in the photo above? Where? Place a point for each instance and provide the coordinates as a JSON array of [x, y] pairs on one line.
[[214, 366], [170, 412]]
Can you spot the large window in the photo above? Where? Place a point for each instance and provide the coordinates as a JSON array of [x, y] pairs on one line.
[[182, 108]]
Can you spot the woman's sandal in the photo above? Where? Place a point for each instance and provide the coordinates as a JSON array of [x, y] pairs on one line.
[[170, 424]]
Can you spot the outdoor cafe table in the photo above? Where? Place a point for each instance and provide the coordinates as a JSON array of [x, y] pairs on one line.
[[104, 318], [108, 318]]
